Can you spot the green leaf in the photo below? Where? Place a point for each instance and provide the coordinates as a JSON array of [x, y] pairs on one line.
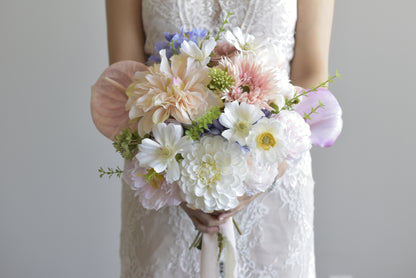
[[127, 143]]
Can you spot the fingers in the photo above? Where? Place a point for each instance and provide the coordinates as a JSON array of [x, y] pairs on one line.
[[203, 222], [230, 213], [204, 228]]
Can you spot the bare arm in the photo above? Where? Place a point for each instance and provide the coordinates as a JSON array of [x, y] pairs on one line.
[[313, 35], [125, 30]]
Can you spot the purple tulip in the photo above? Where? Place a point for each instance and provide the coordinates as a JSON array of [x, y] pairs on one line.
[[326, 125]]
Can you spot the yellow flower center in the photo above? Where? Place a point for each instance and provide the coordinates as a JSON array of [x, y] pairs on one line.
[[266, 141], [152, 178], [209, 172], [158, 179]]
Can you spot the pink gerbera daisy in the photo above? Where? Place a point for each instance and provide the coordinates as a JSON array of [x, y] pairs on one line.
[[254, 83]]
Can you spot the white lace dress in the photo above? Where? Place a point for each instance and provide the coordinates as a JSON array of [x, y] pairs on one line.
[[278, 238]]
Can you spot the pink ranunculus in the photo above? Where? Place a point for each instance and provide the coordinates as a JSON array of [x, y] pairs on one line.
[[157, 194]]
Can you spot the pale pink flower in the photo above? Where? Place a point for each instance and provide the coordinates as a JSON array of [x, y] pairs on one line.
[[297, 131], [178, 90], [254, 83], [154, 195]]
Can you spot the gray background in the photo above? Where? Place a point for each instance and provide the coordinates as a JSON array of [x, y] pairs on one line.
[[58, 219]]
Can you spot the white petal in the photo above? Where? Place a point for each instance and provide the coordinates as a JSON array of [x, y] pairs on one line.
[[158, 165], [172, 173]]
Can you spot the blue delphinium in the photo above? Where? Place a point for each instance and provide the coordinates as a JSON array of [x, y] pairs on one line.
[[174, 40]]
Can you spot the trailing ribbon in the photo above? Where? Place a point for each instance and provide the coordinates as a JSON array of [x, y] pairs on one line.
[[209, 264]]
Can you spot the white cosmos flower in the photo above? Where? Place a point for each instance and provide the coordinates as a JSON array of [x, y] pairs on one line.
[[160, 153], [268, 141], [191, 49], [242, 41], [239, 118], [212, 174]]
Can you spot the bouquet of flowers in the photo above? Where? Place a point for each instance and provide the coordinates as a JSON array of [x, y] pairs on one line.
[[210, 120]]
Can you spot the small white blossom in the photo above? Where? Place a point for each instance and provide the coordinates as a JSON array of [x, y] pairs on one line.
[[239, 119], [191, 49], [242, 41], [160, 153]]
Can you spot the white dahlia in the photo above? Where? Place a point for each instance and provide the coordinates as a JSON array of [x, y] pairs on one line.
[[239, 119], [268, 141], [160, 153], [212, 174]]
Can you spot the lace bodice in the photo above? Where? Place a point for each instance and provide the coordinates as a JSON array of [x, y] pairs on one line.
[[277, 238], [273, 20]]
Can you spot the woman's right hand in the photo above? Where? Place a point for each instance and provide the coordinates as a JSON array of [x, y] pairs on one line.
[[204, 222]]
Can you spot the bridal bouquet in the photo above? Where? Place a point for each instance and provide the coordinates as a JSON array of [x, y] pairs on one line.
[[210, 120]]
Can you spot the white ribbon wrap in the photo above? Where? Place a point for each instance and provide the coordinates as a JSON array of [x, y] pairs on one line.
[[209, 253]]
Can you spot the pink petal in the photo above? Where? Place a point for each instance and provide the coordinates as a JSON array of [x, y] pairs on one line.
[[327, 124], [108, 97]]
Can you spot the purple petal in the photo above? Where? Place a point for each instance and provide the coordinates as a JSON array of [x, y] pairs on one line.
[[326, 125]]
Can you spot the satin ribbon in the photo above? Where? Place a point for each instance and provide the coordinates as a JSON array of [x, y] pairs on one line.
[[209, 253]]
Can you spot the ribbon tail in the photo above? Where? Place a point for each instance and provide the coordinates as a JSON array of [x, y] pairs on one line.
[[209, 266], [227, 230]]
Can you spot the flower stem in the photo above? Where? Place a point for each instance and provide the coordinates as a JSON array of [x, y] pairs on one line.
[[196, 240], [236, 227]]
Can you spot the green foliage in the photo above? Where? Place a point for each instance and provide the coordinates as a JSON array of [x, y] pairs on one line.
[[275, 108], [127, 143], [197, 128], [110, 172], [222, 28], [313, 111], [296, 98], [220, 80]]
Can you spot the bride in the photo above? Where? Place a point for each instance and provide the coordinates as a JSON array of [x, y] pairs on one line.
[[278, 238]]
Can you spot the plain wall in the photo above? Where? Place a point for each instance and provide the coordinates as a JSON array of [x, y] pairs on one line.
[[58, 219]]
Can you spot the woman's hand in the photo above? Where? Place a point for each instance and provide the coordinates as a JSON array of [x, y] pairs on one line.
[[210, 222], [204, 222]]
